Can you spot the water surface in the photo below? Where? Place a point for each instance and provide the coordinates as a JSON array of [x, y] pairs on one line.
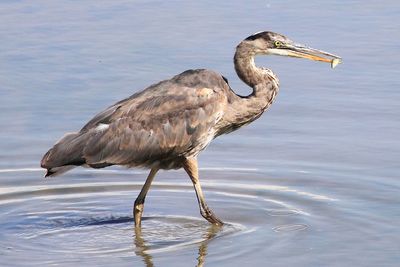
[[313, 182]]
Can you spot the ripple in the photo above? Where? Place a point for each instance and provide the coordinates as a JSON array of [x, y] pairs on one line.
[[282, 212], [166, 233], [86, 219], [33, 169], [21, 170], [116, 234], [290, 228]]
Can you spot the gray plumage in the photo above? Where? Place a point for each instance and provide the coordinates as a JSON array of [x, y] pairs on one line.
[[168, 124]]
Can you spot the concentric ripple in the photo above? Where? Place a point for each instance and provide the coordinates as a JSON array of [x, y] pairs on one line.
[[77, 217]]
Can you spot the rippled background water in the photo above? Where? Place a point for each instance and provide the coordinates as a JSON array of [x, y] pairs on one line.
[[313, 182]]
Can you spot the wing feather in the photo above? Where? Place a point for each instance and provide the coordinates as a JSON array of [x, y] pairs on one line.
[[155, 126]]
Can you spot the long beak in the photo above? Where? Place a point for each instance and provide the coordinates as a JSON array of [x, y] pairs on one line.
[[302, 51]]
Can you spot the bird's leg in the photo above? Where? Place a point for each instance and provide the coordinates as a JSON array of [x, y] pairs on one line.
[[139, 202], [190, 166]]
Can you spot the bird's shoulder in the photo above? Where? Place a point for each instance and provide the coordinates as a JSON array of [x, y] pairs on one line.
[[195, 78]]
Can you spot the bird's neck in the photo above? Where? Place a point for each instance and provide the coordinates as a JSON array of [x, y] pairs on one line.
[[263, 81]]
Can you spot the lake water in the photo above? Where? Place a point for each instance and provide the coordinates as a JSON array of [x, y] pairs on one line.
[[313, 182]]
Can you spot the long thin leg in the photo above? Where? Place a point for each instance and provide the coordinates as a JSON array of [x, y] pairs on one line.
[[139, 202], [190, 166]]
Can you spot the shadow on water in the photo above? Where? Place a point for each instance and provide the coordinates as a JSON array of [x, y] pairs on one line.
[[92, 221]]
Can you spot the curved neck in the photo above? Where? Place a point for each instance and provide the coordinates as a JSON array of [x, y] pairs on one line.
[[263, 81], [248, 72]]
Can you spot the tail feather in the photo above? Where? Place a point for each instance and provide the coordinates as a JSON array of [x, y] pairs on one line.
[[51, 172], [64, 155]]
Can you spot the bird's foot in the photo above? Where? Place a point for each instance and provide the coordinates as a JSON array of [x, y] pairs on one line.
[[137, 213], [210, 217]]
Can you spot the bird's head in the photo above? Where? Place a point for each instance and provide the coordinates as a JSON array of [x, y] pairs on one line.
[[270, 43]]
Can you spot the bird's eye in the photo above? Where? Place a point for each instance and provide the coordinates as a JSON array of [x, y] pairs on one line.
[[278, 43]]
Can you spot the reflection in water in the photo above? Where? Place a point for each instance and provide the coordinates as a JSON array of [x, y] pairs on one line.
[[211, 233], [142, 249]]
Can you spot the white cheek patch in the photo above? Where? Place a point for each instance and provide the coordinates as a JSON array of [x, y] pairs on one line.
[[279, 52], [102, 127], [259, 44]]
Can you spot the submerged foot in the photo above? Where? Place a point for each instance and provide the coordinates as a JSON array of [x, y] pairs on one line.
[[210, 217], [137, 214]]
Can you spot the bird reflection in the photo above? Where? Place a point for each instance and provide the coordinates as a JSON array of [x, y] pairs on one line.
[[212, 231], [142, 249]]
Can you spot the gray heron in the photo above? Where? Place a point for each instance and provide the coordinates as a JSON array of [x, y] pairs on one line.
[[168, 124]]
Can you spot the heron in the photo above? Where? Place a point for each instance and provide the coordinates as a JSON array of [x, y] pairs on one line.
[[168, 124]]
